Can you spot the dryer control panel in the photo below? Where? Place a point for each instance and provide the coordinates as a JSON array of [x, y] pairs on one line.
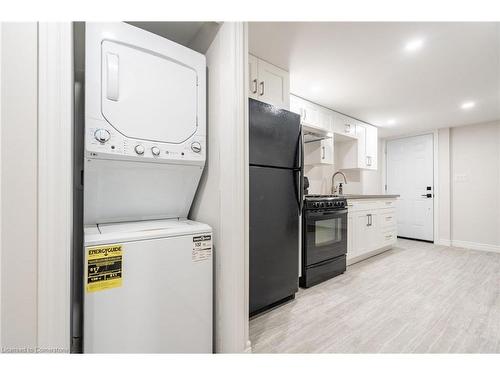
[[104, 142]]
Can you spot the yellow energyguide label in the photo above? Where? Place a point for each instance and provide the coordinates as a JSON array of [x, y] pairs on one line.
[[104, 267]]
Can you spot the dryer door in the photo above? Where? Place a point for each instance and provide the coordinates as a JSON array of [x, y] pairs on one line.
[[146, 95]]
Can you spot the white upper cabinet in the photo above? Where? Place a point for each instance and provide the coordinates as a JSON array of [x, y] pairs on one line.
[[326, 118], [361, 136], [367, 146], [359, 150], [268, 83], [356, 142], [371, 147], [312, 116], [344, 125], [253, 76], [319, 152]]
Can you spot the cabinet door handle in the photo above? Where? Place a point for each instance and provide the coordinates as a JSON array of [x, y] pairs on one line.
[[347, 128], [254, 90], [262, 88], [322, 152]]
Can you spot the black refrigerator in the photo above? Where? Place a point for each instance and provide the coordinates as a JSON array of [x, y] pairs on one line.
[[276, 175]]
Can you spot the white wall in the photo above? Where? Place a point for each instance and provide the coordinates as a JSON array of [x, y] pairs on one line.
[[468, 191], [19, 161], [443, 237], [222, 197], [475, 185]]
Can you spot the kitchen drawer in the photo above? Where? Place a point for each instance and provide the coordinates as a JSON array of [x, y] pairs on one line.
[[389, 237], [387, 203], [362, 204], [387, 218]]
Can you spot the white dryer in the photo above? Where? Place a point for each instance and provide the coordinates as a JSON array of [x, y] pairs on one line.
[[145, 138]]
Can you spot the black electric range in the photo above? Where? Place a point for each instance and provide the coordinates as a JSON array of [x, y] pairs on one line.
[[324, 238]]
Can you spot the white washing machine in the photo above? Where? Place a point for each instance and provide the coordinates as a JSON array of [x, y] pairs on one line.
[[148, 270], [148, 287]]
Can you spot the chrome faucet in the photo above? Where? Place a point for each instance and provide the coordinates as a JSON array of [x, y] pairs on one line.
[[334, 189]]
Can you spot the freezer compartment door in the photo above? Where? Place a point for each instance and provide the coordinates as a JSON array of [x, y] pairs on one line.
[[274, 136], [274, 238]]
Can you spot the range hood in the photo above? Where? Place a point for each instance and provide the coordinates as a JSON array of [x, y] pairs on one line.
[[314, 134]]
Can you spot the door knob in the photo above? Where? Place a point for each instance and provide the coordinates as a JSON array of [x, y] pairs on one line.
[[427, 195]]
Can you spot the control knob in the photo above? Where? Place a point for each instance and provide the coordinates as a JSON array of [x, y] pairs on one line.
[[139, 149], [102, 135], [155, 151], [196, 147]]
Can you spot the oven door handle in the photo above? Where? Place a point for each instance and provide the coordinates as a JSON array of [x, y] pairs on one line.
[[332, 213]]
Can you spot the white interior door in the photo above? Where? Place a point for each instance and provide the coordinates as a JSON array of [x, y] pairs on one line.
[[410, 174]]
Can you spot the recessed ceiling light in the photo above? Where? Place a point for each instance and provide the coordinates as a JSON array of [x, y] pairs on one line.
[[315, 88], [391, 122], [414, 45], [468, 105]]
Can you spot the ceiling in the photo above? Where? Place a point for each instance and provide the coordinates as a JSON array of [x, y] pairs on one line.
[[365, 71]]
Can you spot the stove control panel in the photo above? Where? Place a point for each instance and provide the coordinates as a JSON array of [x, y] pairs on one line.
[[325, 203]]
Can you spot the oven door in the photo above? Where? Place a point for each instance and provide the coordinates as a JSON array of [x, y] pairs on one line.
[[325, 235]]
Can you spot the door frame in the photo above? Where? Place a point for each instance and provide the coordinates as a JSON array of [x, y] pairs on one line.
[[435, 172], [55, 174]]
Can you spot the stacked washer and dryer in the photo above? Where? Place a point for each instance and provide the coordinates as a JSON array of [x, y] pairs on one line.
[[147, 268]]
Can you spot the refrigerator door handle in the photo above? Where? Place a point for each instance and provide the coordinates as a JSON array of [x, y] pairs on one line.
[[297, 186], [301, 171]]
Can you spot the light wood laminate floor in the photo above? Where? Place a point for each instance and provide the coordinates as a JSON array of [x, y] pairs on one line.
[[414, 298]]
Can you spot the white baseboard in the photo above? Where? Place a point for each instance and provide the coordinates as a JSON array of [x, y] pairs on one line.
[[443, 242], [359, 258], [476, 246]]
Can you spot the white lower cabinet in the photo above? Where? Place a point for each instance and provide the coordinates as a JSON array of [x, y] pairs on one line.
[[371, 228]]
